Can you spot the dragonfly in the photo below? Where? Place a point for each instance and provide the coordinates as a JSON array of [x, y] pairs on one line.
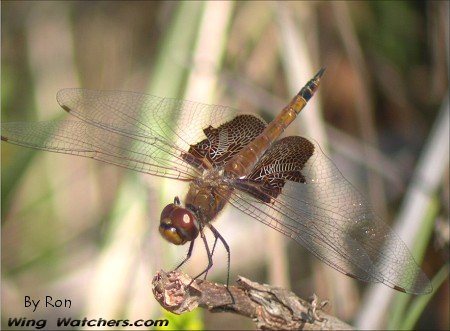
[[231, 158]]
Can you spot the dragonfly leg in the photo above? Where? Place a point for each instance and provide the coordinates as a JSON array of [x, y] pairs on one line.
[[217, 235], [188, 255], [208, 252], [212, 254]]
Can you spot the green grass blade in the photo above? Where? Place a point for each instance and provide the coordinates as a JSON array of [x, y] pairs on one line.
[[418, 305], [401, 301]]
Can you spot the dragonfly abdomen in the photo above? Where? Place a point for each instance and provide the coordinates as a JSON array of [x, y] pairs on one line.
[[244, 161]]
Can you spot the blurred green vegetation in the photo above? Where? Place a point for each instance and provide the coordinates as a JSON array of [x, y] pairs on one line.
[[78, 227]]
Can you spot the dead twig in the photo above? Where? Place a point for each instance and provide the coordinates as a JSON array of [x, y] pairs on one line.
[[270, 307]]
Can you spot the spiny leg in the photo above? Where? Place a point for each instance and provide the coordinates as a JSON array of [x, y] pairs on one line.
[[208, 252], [188, 256], [217, 235], [212, 254]]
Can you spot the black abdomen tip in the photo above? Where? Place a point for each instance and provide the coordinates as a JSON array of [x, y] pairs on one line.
[[311, 87], [319, 73]]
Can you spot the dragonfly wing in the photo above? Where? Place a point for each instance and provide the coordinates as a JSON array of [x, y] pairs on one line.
[[133, 130], [225, 141], [312, 203], [145, 116], [151, 156]]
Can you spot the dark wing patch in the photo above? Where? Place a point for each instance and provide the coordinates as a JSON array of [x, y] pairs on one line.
[[282, 162], [222, 143]]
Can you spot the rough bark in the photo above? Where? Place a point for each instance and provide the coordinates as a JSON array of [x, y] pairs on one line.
[[269, 307]]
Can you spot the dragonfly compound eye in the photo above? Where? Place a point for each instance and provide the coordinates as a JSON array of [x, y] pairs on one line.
[[177, 225]]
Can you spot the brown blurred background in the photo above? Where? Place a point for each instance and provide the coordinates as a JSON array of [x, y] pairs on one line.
[[80, 229]]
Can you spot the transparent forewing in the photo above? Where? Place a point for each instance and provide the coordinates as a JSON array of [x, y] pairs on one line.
[[137, 131], [79, 138], [145, 116], [325, 214]]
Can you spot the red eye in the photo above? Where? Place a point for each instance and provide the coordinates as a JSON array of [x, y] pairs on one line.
[[178, 225], [167, 210], [182, 218]]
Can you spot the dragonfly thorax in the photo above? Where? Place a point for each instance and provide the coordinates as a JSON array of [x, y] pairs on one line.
[[208, 195], [211, 177]]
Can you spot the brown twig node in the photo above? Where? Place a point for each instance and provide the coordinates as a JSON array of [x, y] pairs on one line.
[[270, 307]]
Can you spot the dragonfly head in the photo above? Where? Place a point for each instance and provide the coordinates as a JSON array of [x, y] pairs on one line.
[[178, 225]]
